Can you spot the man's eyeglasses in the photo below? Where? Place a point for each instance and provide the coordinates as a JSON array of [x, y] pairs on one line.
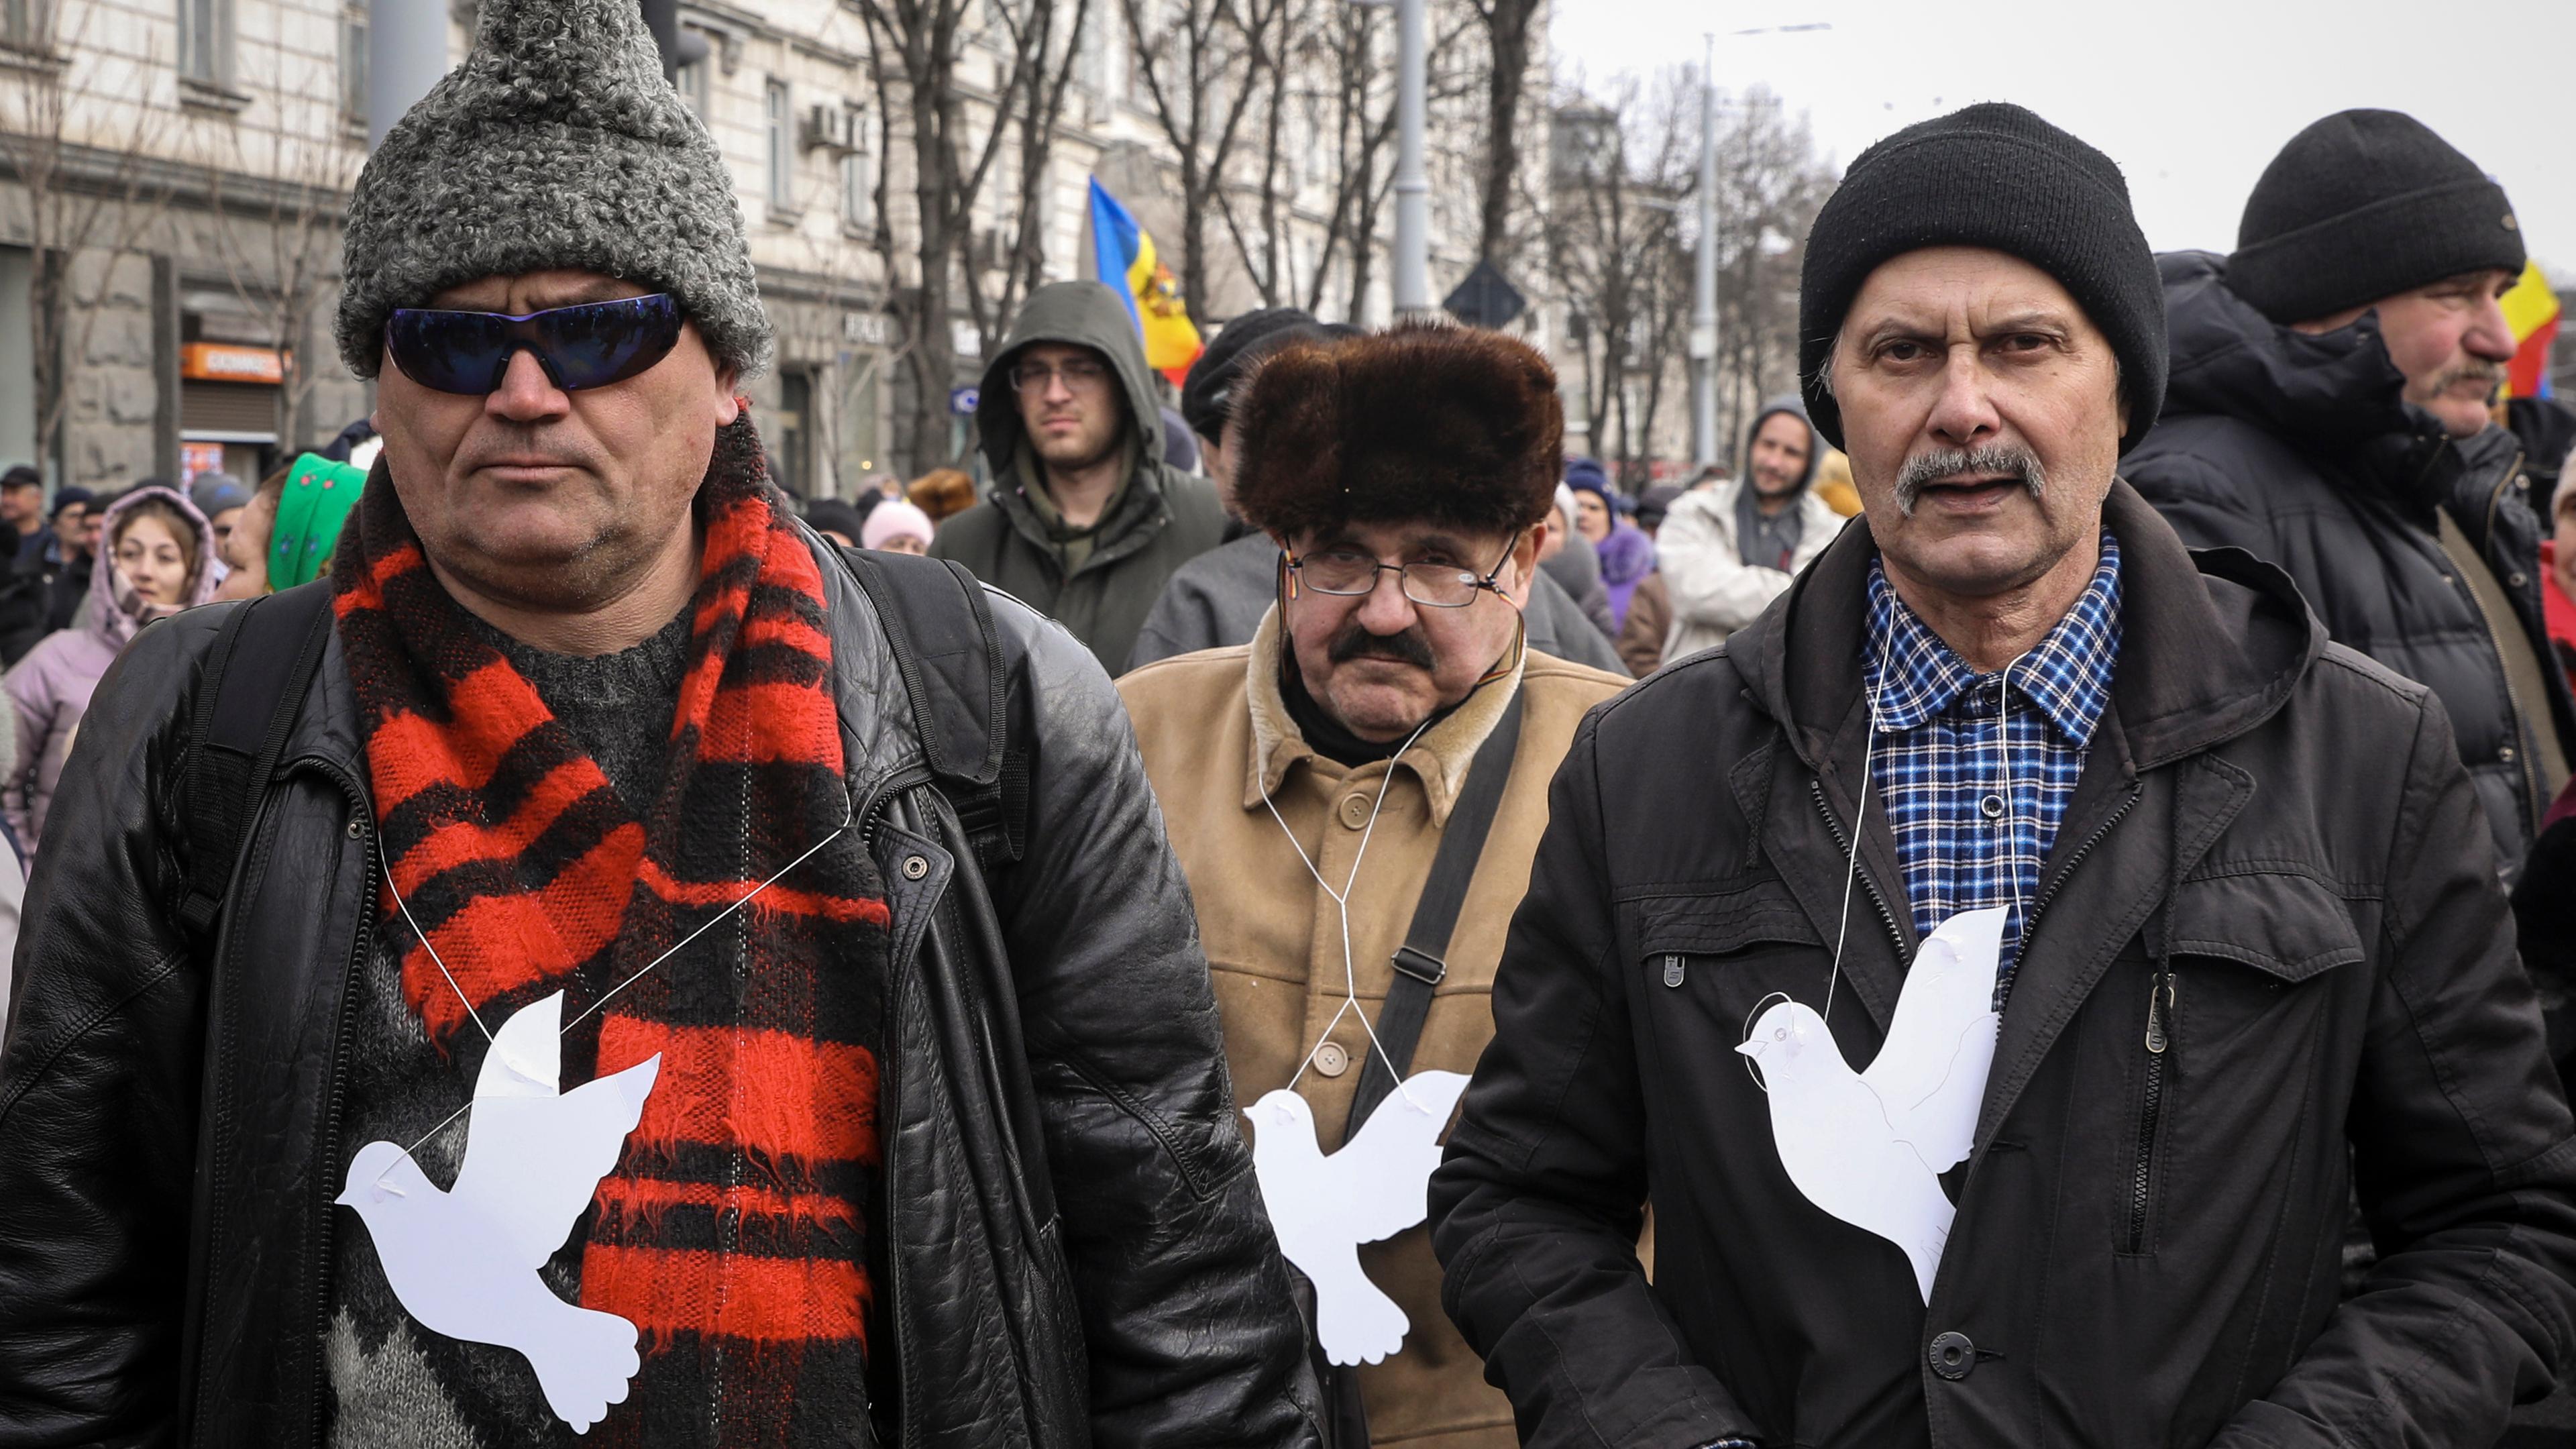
[[1350, 574], [1080, 374], [593, 344]]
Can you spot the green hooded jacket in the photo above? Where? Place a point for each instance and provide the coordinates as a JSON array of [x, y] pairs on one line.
[[1158, 520]]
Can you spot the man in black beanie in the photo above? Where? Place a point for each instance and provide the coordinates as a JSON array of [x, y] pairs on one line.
[[2330, 413], [2039, 933]]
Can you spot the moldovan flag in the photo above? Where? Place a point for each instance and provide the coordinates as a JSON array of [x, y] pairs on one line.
[[2533, 310], [1123, 256]]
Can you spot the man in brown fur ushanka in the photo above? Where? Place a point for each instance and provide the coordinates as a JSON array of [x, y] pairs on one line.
[[1355, 796]]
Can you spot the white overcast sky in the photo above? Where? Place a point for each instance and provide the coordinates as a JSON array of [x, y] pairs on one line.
[[2191, 97]]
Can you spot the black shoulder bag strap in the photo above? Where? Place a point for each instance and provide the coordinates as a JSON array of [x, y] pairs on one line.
[[255, 680], [1421, 962]]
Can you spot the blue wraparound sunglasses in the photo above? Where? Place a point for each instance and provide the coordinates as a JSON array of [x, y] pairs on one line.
[[589, 345]]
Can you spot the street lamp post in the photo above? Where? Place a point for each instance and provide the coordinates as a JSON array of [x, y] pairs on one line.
[[1703, 334], [1412, 185], [1703, 338], [406, 54]]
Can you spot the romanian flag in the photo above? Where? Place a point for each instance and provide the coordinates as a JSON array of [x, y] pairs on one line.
[[1123, 256], [2532, 308]]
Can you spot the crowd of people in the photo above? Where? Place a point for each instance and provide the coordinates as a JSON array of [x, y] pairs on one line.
[[2038, 904]]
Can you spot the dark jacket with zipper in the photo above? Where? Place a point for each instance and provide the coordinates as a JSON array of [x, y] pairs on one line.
[[1159, 519], [2147, 1242], [1076, 1249], [2301, 450]]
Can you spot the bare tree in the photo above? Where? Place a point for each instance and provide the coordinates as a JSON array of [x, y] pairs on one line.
[[1624, 177], [1356, 53], [1032, 106], [279, 244], [1507, 42], [92, 191], [1202, 63]]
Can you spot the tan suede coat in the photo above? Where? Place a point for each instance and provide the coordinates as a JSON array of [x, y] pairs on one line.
[[1216, 736]]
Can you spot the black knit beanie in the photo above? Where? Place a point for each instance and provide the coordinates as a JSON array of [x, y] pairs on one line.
[[1207, 395], [2364, 205], [1992, 176]]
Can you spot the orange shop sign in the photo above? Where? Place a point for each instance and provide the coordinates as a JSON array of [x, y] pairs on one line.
[[225, 362]]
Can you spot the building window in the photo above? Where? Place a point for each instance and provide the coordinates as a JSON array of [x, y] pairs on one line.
[[696, 79], [782, 148], [205, 41], [22, 24], [353, 65], [858, 181]]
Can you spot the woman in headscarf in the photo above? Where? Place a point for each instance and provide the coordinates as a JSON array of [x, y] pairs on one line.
[[157, 556]]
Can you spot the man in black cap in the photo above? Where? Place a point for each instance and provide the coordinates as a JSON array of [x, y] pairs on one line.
[[1217, 600], [2331, 414], [2040, 931]]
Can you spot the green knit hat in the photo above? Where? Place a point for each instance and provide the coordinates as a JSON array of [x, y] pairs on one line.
[[316, 503], [558, 143]]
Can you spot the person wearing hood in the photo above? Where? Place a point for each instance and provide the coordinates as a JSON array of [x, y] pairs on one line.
[[1730, 549], [1567, 557], [1217, 600], [1404, 476], [1627, 555], [159, 558], [1085, 521], [2331, 414]]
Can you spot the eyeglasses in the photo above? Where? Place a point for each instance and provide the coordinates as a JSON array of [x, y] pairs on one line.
[[590, 345], [1348, 574], [1080, 374]]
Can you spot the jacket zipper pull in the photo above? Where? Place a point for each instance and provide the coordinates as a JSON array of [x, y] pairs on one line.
[[1673, 969], [2160, 1002]]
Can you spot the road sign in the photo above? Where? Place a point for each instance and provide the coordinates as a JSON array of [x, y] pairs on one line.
[[1486, 298], [962, 400]]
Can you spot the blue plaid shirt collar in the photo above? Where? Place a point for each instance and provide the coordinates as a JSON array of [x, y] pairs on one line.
[[2068, 675]]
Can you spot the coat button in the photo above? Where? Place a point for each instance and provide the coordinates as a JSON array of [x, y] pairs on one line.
[[2505, 754], [915, 867], [1953, 1356], [1992, 807], [2516, 579], [1331, 1060], [1355, 811], [357, 828]]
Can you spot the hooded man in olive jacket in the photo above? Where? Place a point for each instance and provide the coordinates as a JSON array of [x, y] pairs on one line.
[[2245, 949], [1085, 521]]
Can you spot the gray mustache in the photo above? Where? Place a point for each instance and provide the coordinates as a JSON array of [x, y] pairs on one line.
[[1924, 469]]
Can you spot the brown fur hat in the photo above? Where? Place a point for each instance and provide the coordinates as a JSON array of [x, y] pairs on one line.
[[1424, 421]]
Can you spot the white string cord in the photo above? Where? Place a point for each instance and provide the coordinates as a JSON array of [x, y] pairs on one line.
[[1860, 823], [708, 925], [1342, 904]]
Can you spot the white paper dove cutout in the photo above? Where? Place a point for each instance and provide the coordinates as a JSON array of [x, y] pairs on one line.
[[1869, 1147], [1323, 1208], [464, 1262]]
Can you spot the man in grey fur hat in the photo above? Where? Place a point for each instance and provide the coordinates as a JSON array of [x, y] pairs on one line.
[[479, 1089]]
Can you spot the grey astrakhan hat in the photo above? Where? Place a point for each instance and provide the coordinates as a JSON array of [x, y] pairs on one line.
[[557, 144]]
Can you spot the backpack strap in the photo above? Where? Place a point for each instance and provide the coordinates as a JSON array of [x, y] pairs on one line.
[[940, 627], [255, 680]]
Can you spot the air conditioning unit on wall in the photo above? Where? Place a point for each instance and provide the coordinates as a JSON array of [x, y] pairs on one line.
[[832, 128]]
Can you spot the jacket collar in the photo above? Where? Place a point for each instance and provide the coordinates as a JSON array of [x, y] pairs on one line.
[[2212, 642], [2336, 396], [1440, 759]]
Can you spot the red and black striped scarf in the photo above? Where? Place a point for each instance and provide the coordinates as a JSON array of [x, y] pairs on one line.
[[732, 1232]]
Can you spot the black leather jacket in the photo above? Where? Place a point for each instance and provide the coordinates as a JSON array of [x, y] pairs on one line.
[[170, 1117]]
